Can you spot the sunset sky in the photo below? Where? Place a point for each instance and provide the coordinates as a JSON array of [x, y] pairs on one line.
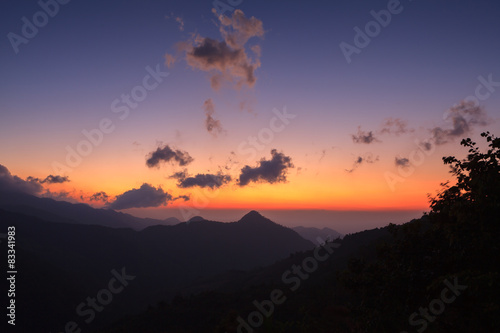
[[271, 105]]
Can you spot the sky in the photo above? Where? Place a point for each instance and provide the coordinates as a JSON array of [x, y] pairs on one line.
[[183, 108]]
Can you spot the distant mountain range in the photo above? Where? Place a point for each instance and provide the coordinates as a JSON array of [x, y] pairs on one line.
[[317, 236], [65, 212], [66, 253], [64, 263]]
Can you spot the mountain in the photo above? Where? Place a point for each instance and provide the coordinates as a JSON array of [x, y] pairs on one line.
[[317, 236], [235, 293], [64, 263], [171, 221], [65, 212], [196, 219]]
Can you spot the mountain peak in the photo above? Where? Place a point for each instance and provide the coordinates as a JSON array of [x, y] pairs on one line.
[[253, 216], [196, 219]]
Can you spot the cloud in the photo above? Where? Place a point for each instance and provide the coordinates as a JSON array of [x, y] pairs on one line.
[[170, 60], [426, 145], [177, 19], [391, 126], [60, 196], [395, 126], [212, 125], [145, 196], [367, 158], [10, 183], [182, 197], [463, 116], [180, 21], [167, 154], [201, 180], [238, 29], [99, 196], [227, 61], [401, 161], [364, 137], [268, 171], [50, 179]]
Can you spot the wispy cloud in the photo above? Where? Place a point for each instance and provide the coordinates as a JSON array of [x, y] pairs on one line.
[[364, 137], [212, 125], [464, 117], [395, 126], [178, 19], [367, 158]]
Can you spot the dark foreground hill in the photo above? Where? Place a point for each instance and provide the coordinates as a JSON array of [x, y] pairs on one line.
[[60, 264]]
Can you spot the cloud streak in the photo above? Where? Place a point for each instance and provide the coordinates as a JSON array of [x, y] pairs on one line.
[[395, 126], [367, 158], [212, 125], [201, 180], [50, 179]]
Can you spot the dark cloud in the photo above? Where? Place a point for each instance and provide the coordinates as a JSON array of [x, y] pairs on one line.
[[212, 125], [167, 154], [179, 175], [145, 196], [227, 60], [268, 171], [426, 145], [367, 158], [99, 196], [201, 180], [60, 196], [463, 117], [364, 137], [50, 179], [182, 197], [401, 161], [395, 126], [10, 183]]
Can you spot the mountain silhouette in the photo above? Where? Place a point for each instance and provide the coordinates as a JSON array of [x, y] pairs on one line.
[[65, 212], [164, 259], [316, 235]]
